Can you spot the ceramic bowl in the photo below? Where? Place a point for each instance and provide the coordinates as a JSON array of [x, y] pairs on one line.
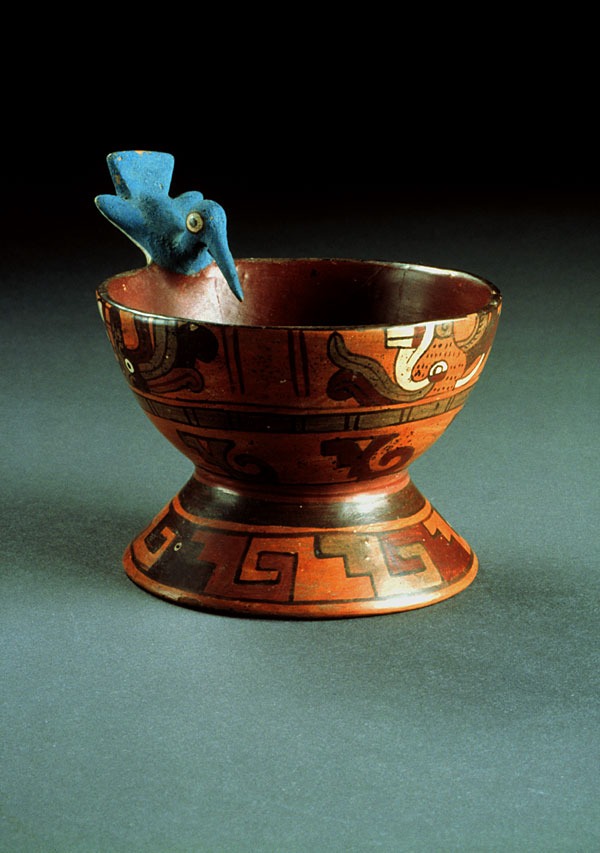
[[301, 409]]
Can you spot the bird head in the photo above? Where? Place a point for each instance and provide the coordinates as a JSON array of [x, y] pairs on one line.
[[182, 234]]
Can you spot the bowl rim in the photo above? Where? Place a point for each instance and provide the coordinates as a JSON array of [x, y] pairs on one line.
[[493, 303]]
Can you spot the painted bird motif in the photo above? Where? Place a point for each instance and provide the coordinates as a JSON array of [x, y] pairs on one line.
[[183, 234]]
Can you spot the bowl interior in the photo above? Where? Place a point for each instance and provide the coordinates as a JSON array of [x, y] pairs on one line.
[[307, 293]]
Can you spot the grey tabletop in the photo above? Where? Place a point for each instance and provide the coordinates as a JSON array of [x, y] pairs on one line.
[[130, 724]]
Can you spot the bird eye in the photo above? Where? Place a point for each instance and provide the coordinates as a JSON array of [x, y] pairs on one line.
[[194, 222], [438, 370]]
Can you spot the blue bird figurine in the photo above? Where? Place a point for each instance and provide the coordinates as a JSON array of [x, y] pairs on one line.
[[183, 234]]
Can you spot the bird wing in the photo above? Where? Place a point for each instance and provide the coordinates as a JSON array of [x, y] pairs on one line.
[[136, 173], [126, 217]]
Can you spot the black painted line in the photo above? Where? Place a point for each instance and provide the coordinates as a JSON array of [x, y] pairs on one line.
[[292, 358], [238, 360]]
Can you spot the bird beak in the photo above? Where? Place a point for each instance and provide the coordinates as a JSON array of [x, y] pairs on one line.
[[216, 244], [226, 264]]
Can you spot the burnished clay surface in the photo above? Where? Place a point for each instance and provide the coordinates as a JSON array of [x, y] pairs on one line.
[[301, 409]]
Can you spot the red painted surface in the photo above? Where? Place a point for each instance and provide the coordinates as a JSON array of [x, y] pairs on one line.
[[301, 432]]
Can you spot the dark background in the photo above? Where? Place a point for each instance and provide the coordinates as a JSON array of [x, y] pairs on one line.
[[131, 724]]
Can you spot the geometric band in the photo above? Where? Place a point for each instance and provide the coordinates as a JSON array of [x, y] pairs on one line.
[[283, 423]]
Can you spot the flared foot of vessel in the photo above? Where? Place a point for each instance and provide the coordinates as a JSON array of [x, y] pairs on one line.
[[293, 557]]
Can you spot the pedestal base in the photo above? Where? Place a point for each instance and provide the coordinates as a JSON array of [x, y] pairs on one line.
[[371, 553]]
